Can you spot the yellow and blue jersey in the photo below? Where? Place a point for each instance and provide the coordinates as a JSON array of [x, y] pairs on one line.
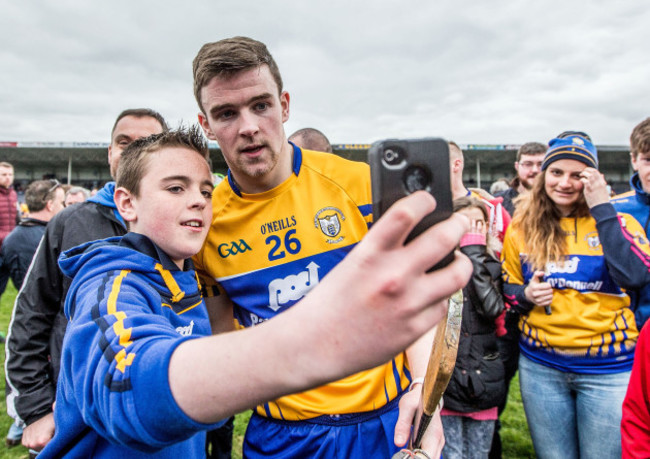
[[267, 251], [591, 328]]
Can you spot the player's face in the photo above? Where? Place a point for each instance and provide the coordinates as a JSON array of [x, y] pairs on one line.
[[641, 164], [245, 114], [6, 176], [563, 185], [174, 208], [127, 130], [527, 168]]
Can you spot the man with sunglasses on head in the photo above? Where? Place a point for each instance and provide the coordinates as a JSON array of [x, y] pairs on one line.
[[38, 323]]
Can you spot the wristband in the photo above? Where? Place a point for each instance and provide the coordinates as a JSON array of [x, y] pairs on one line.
[[419, 380]]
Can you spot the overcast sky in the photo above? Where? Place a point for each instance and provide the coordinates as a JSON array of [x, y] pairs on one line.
[[494, 72]]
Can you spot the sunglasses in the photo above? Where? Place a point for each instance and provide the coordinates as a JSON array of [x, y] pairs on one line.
[[55, 184]]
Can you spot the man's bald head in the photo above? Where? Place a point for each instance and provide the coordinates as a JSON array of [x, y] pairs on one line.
[[311, 139]]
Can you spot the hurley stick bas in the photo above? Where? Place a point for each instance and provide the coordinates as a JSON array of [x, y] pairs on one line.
[[441, 364]]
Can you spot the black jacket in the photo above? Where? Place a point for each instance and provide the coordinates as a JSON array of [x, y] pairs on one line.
[[477, 382], [38, 324], [19, 246]]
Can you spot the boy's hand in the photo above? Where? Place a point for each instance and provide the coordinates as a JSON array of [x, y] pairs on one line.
[[383, 288]]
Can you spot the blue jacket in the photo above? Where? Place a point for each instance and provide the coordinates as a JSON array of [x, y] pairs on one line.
[[636, 202], [129, 307]]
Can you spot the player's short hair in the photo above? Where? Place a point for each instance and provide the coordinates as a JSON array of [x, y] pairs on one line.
[[640, 138], [228, 57], [7, 165], [134, 159], [141, 113], [531, 148], [39, 192]]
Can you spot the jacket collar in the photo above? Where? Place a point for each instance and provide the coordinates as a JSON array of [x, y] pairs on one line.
[[635, 184]]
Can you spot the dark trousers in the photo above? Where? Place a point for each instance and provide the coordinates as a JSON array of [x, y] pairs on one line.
[[509, 349], [218, 442]]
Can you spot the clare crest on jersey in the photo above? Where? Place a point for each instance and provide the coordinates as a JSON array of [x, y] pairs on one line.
[[593, 241], [329, 219], [330, 225]]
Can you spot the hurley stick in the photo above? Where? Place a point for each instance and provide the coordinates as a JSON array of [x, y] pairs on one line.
[[441, 363]]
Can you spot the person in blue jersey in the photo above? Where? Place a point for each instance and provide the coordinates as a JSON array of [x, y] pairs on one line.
[[140, 377], [283, 219], [567, 257], [637, 203], [33, 349]]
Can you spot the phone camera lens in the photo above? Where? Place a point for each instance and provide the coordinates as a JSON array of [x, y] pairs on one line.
[[392, 156], [416, 178]]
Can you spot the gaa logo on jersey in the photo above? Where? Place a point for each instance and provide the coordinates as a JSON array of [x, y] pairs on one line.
[[593, 241], [329, 220], [233, 248]]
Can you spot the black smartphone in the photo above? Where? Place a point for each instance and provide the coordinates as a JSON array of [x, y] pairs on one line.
[[401, 167]]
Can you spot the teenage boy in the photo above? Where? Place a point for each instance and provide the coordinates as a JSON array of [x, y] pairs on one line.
[[37, 326], [282, 221], [135, 380], [637, 203]]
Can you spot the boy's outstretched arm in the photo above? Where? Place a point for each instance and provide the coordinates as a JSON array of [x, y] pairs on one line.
[[373, 305]]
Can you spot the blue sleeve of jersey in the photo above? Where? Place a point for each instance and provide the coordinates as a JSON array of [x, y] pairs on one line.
[[628, 262], [116, 362], [514, 294]]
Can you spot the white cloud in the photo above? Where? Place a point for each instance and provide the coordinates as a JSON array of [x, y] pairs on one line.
[[478, 72]]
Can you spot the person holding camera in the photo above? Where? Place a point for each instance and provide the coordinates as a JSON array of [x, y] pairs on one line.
[[567, 257]]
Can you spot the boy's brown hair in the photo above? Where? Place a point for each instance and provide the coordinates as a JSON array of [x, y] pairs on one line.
[[228, 57], [135, 158], [640, 138]]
